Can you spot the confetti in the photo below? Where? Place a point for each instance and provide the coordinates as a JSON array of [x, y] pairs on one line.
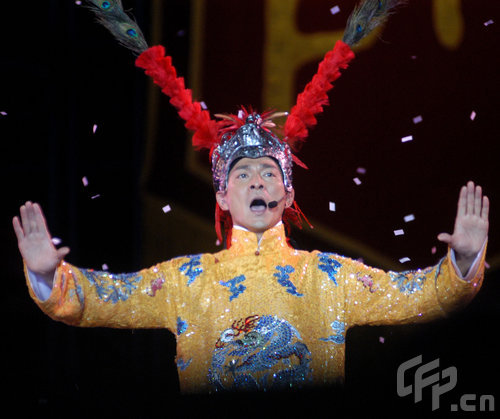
[[240, 114], [381, 339], [166, 208], [85, 181], [95, 196], [357, 181], [409, 217], [331, 206], [104, 267], [94, 128], [361, 170], [399, 232], [217, 242], [334, 10], [3, 113], [434, 250], [418, 119], [78, 2], [488, 22], [407, 138], [472, 116], [413, 57], [486, 265], [181, 32], [405, 259], [56, 241], [203, 105]]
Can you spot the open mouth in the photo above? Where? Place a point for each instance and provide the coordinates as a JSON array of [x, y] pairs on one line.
[[258, 205]]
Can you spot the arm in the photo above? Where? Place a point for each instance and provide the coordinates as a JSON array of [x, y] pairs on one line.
[[377, 297]]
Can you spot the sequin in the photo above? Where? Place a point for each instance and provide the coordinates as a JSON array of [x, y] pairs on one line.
[[270, 354], [409, 282], [233, 288], [181, 326], [122, 287], [339, 330], [329, 265], [283, 279], [182, 365], [192, 268]]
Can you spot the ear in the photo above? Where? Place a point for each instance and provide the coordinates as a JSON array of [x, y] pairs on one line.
[[290, 197], [221, 200]]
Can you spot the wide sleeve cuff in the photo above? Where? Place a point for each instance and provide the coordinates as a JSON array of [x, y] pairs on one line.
[[40, 288], [472, 272]]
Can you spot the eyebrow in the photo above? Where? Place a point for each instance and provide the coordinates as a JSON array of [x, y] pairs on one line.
[[264, 166]]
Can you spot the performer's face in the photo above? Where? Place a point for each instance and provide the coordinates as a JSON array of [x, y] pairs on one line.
[[252, 184]]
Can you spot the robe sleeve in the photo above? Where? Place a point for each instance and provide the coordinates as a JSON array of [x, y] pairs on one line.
[[375, 297]]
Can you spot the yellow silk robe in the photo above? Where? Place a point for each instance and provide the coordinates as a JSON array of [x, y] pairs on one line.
[[257, 315]]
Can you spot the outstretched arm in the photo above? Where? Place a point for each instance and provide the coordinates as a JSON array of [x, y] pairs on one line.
[[471, 226], [35, 243]]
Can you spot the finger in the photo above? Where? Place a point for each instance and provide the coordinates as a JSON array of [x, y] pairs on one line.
[[478, 200], [444, 237], [24, 219], [486, 208], [462, 201], [470, 198], [18, 229], [31, 218], [40, 220]]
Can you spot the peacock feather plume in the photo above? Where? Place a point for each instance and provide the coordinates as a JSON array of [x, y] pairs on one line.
[[366, 16], [111, 15]]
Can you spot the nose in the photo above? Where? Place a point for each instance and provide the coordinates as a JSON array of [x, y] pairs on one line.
[[257, 183]]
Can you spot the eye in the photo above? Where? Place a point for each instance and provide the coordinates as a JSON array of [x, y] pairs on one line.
[[242, 176]]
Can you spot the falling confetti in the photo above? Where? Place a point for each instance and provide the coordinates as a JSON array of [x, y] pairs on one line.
[[407, 138], [3, 113], [399, 232], [409, 217], [357, 181], [78, 2], [56, 241], [166, 208], [417, 119], [472, 116], [85, 181], [434, 250], [381, 339], [334, 10], [95, 196], [405, 259], [203, 105], [94, 128], [331, 206], [104, 267], [361, 170], [488, 22]]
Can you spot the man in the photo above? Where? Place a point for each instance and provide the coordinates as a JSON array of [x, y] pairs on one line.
[[258, 315]]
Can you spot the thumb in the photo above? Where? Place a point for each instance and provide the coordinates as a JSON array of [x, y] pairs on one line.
[[444, 237], [62, 252]]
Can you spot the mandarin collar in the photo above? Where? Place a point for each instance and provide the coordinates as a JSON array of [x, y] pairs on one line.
[[244, 241]]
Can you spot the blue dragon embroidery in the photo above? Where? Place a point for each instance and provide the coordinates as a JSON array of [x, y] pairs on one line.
[[329, 265]]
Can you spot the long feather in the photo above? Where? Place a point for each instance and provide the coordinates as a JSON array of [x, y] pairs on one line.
[[366, 16], [111, 15]]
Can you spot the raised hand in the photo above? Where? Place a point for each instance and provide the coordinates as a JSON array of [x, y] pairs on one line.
[[35, 243], [471, 226]]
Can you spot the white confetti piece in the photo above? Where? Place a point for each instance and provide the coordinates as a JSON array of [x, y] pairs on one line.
[[418, 119], [486, 265], [166, 208], [95, 196], [94, 128], [85, 181], [240, 114], [331, 206], [413, 57], [381, 339], [3, 113], [488, 22], [104, 267], [357, 181], [217, 242], [334, 10], [434, 250], [472, 116], [405, 259], [361, 170], [399, 232], [203, 105], [56, 241], [409, 217], [407, 138], [78, 2]]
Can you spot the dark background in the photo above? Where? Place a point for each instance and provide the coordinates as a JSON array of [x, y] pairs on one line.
[[61, 73]]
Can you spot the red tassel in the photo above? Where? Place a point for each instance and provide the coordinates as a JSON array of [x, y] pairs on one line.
[[159, 67], [314, 96]]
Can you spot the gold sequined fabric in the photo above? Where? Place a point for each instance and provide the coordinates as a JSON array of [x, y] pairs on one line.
[[257, 316]]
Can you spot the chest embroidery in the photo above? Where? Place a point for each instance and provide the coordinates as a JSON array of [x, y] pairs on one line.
[[283, 279], [233, 286], [339, 333], [192, 269], [329, 265]]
